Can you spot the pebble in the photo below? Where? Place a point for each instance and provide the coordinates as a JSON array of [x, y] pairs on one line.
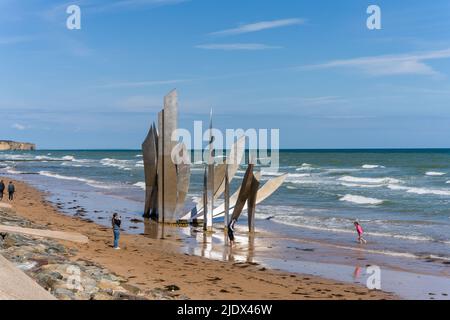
[[49, 264]]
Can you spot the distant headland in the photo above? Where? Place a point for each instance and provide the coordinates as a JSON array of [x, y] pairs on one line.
[[13, 145]]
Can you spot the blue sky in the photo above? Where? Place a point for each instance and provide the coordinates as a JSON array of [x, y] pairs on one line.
[[310, 68]]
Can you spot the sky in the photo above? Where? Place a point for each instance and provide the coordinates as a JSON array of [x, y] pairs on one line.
[[310, 68]]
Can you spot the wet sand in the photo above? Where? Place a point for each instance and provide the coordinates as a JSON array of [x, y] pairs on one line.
[[151, 262]]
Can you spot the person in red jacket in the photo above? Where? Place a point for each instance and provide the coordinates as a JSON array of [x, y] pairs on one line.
[[360, 231]]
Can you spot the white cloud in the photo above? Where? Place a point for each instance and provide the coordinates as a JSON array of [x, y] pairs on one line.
[[325, 100], [290, 103], [18, 126], [237, 46], [154, 103], [14, 40], [147, 2], [413, 63], [141, 103], [259, 26], [138, 84], [100, 6], [135, 3], [75, 47]]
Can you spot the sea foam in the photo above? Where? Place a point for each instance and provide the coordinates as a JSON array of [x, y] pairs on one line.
[[11, 170], [359, 185], [305, 167], [304, 178], [116, 163], [350, 230], [92, 183], [140, 185], [438, 192], [61, 177], [434, 173], [385, 180], [68, 158], [371, 166], [361, 200]]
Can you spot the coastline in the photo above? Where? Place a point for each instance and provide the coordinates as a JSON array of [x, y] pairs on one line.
[[148, 264]]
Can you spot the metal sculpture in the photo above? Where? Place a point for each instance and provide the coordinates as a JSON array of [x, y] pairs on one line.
[[205, 199], [210, 189], [231, 164], [227, 198], [167, 181], [244, 193], [160, 176], [263, 193], [251, 203], [183, 177], [150, 158]]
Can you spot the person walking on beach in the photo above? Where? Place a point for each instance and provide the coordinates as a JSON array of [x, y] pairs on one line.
[[231, 231], [11, 191], [360, 231], [2, 189], [116, 221]]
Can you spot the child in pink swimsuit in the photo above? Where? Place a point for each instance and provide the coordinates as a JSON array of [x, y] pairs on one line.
[[360, 231]]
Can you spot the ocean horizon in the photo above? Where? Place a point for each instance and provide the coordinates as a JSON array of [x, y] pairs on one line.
[[281, 150]]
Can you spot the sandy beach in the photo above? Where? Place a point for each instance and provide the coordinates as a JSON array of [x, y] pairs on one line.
[[148, 263]]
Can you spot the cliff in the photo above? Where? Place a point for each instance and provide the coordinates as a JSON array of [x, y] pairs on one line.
[[12, 145]]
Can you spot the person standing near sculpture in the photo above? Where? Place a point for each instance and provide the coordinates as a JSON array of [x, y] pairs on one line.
[[116, 221], [2, 189], [11, 191], [231, 231]]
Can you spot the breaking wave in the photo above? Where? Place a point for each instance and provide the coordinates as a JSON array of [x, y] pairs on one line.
[[116, 163], [371, 166], [305, 167], [438, 192], [11, 170], [361, 200], [92, 183], [386, 180], [435, 174], [140, 185]]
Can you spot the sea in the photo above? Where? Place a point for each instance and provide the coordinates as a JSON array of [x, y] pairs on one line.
[[400, 197]]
